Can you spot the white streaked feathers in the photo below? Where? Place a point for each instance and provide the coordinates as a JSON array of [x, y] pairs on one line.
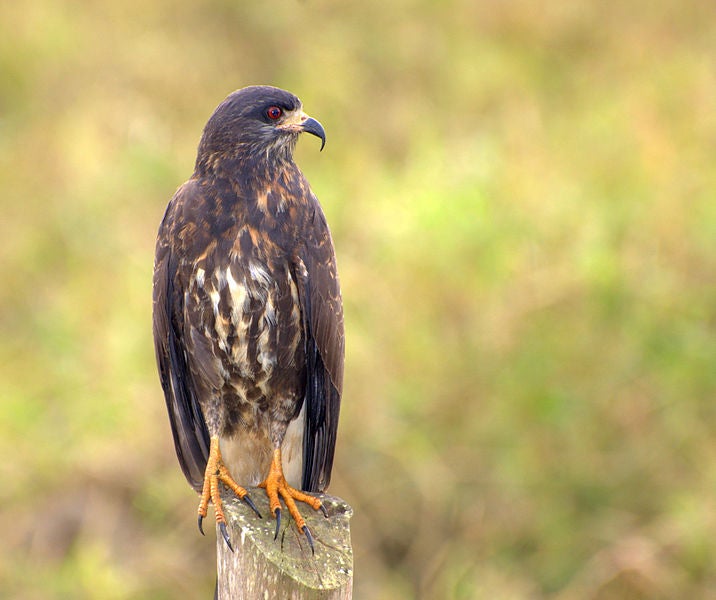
[[253, 285], [260, 275], [199, 276]]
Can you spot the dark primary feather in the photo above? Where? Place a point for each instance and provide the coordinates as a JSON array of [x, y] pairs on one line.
[[191, 438], [323, 322]]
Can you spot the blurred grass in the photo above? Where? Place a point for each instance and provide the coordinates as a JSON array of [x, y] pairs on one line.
[[523, 202]]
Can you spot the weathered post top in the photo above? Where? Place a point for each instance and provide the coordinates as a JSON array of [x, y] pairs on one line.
[[261, 567]]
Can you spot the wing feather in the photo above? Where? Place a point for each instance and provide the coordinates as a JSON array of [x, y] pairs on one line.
[[191, 437], [320, 295]]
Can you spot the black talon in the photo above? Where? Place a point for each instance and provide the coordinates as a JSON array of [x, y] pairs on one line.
[[250, 502], [200, 527], [324, 511], [225, 535], [277, 512], [309, 537]]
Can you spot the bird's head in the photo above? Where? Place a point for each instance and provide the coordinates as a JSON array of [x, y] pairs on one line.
[[256, 123]]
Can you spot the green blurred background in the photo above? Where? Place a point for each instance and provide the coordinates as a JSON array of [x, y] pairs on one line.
[[523, 201]]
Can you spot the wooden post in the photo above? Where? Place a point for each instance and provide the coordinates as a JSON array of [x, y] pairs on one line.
[[261, 567]]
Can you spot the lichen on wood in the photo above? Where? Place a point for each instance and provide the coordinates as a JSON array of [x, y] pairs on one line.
[[261, 567]]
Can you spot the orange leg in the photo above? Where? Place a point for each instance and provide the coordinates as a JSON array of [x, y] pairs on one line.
[[275, 486], [216, 472]]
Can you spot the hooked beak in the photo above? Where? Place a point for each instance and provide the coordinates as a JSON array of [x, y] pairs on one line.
[[310, 125], [299, 122]]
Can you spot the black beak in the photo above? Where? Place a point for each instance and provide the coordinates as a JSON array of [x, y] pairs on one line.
[[312, 126]]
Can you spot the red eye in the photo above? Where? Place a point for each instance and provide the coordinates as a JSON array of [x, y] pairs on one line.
[[274, 112]]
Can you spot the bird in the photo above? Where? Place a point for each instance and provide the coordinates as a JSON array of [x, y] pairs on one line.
[[247, 313]]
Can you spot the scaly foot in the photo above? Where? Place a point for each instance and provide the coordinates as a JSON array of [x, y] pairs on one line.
[[275, 486], [216, 472]]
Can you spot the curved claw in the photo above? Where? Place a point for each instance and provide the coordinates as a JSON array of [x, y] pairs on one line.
[[251, 504], [324, 511], [277, 512], [225, 535], [309, 537], [201, 529]]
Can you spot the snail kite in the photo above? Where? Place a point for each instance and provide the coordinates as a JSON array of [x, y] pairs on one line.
[[248, 319]]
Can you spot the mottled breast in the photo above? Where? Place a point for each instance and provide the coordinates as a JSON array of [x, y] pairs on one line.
[[248, 347]]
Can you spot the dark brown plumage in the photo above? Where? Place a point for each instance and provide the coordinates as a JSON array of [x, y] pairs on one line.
[[248, 320]]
